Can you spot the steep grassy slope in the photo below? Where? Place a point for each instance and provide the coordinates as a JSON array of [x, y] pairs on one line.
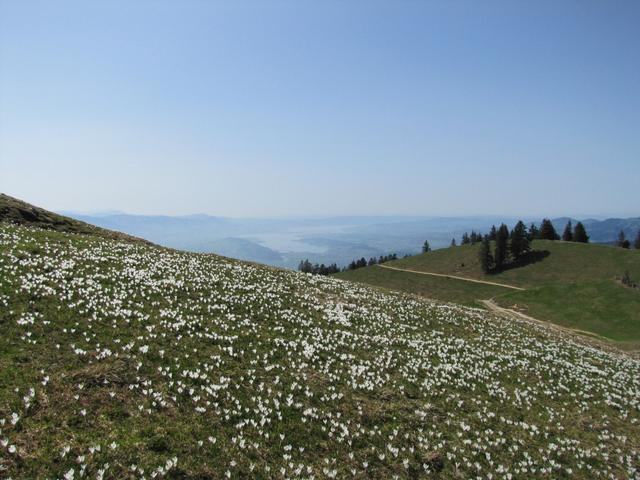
[[123, 360], [571, 284]]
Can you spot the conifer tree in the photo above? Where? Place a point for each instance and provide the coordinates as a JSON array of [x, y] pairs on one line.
[[305, 266], [492, 233], [622, 240], [486, 259], [453, 242], [636, 243], [547, 232], [519, 244], [567, 235], [465, 239], [534, 233], [426, 248], [501, 250], [580, 234]]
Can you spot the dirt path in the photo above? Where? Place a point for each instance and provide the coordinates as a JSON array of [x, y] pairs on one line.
[[494, 307], [451, 276], [590, 338]]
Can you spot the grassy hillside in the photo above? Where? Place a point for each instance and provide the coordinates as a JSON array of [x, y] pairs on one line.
[[437, 288], [125, 360], [571, 284]]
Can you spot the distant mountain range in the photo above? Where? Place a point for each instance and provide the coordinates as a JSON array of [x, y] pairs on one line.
[[603, 231], [284, 242]]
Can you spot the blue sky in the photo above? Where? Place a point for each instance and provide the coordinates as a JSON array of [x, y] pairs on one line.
[[312, 108]]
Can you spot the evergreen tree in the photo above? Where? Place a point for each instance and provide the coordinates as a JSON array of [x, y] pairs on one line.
[[492, 233], [534, 233], [426, 248], [636, 243], [519, 244], [547, 232], [486, 259], [622, 240], [580, 234], [305, 266], [567, 235], [465, 239], [453, 242], [502, 239]]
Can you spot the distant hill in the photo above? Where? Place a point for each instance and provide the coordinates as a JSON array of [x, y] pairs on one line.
[[603, 231], [572, 284], [244, 249]]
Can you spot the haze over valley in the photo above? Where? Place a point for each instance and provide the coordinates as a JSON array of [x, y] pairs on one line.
[[285, 242]]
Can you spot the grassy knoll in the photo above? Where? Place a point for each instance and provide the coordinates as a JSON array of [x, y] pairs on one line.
[[571, 284]]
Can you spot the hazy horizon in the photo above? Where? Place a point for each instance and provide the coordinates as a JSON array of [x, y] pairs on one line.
[[109, 212], [298, 109]]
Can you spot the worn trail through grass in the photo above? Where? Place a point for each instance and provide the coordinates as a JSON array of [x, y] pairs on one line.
[[452, 276]]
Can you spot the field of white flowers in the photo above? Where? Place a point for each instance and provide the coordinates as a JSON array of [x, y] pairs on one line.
[[122, 360]]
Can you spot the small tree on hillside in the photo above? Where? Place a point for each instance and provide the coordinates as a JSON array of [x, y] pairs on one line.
[[622, 240], [534, 233], [426, 248], [519, 244], [567, 235], [501, 251], [492, 233], [580, 234], [547, 232], [465, 239], [305, 266], [453, 242], [486, 259], [636, 243]]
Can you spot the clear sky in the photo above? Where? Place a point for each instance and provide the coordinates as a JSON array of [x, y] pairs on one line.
[[274, 108]]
